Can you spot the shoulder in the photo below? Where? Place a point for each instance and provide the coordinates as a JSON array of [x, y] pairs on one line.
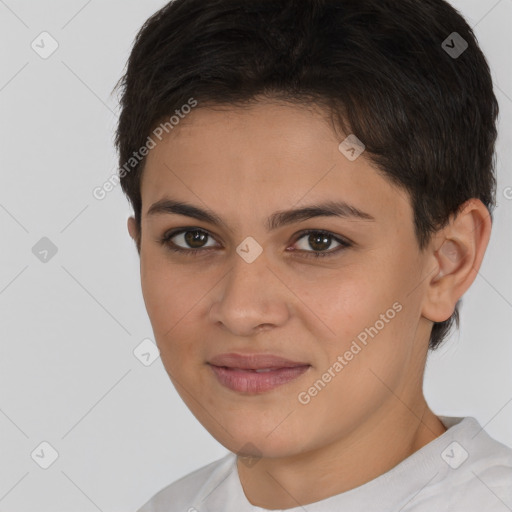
[[181, 494], [486, 486], [487, 480], [478, 474]]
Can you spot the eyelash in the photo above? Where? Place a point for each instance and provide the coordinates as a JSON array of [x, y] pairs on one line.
[[166, 240]]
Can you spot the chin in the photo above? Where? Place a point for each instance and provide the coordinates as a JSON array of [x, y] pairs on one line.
[[258, 443]]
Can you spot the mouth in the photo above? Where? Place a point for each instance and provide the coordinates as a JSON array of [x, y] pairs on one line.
[[255, 373]]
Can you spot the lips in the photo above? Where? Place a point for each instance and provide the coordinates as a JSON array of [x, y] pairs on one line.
[[254, 362], [255, 373]]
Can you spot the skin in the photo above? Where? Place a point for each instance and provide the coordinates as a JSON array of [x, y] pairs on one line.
[[244, 165]]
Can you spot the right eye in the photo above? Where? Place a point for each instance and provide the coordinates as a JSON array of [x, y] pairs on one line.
[[193, 240]]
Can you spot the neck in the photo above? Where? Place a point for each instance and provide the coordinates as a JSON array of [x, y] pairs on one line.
[[382, 442]]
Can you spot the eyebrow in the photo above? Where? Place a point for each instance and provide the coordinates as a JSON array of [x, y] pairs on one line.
[[278, 219]]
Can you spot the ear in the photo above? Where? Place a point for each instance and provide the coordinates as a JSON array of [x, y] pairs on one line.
[[134, 232], [457, 251]]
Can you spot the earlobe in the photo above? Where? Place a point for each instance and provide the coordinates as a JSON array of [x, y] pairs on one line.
[[134, 232], [132, 228], [460, 250]]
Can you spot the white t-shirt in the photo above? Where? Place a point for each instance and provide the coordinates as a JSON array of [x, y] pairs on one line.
[[463, 470]]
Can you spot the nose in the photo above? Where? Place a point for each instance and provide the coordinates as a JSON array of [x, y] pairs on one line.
[[250, 298]]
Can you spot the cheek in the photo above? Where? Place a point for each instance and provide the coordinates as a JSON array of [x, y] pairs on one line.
[[365, 314], [175, 298], [167, 288], [160, 296], [168, 295], [343, 302]]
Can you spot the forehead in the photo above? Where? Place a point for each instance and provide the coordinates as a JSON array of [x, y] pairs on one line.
[[264, 157]]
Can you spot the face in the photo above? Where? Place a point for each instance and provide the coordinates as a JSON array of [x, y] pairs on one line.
[[338, 295]]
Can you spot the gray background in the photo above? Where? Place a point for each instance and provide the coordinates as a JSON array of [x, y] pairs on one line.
[[70, 325]]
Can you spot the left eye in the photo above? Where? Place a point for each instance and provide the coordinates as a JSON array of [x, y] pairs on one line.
[[319, 241]]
